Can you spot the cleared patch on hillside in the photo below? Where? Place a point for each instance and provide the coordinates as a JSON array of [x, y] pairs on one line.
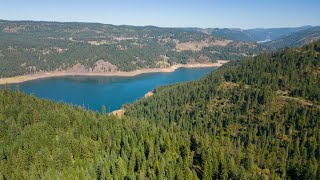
[[228, 85], [198, 45], [150, 93], [97, 43], [104, 66], [14, 28], [163, 62], [241, 44], [301, 101], [118, 113], [122, 38], [100, 67]]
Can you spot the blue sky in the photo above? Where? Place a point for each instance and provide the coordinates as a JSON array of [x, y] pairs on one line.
[[169, 13]]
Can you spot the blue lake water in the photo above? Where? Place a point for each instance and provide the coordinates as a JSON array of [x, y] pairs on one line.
[[113, 92]]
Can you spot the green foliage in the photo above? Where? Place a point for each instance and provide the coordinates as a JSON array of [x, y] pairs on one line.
[[254, 119], [42, 139], [263, 115], [253, 35], [296, 39], [28, 47]]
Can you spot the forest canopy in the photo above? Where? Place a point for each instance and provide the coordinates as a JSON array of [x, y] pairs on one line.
[[257, 118]]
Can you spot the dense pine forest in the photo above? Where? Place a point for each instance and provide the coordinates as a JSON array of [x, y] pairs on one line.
[[263, 115], [257, 118]]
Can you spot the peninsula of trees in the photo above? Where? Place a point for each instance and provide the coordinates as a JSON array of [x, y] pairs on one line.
[[258, 118]]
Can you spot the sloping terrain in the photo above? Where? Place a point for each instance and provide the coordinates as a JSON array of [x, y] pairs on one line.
[[266, 109], [250, 35], [28, 47], [297, 39], [257, 118], [262, 34]]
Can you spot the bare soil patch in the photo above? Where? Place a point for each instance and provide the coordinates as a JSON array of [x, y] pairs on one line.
[[198, 45]]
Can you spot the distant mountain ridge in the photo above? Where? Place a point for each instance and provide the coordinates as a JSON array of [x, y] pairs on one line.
[[269, 38], [251, 35], [296, 39]]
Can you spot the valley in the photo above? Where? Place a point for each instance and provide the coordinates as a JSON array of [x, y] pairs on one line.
[[112, 92], [160, 90], [256, 118]]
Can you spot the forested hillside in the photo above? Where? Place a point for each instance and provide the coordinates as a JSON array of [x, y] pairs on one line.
[[296, 39], [28, 47], [264, 114], [253, 119], [40, 139], [251, 35]]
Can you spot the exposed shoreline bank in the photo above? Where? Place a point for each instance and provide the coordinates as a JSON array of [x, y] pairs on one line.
[[29, 77]]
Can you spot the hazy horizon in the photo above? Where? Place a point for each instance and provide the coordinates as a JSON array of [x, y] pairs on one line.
[[246, 14], [26, 20]]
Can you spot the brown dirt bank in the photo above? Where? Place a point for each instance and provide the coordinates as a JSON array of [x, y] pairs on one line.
[[29, 77]]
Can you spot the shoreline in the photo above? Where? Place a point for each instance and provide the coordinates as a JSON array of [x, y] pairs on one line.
[[120, 112], [42, 75]]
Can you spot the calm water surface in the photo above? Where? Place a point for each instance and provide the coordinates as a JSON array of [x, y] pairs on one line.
[[113, 92]]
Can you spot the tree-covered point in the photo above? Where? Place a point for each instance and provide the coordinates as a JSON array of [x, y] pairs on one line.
[[253, 119], [40, 139], [266, 108], [28, 47]]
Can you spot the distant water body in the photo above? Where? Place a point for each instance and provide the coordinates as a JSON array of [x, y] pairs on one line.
[[112, 92]]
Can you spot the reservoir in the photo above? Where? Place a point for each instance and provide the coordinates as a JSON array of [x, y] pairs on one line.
[[112, 92]]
